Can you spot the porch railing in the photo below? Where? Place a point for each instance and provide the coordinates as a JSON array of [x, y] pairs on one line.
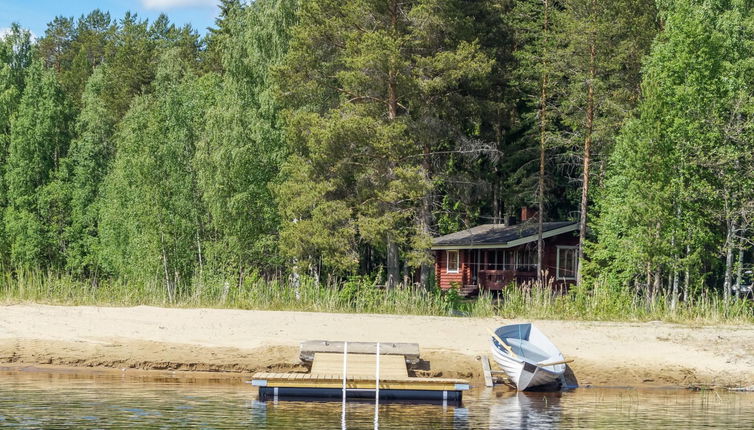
[[498, 279]]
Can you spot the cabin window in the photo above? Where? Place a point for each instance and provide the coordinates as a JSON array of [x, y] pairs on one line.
[[526, 260], [500, 260], [453, 262], [568, 262]]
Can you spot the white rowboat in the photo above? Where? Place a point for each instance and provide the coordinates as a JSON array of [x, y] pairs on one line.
[[527, 356]]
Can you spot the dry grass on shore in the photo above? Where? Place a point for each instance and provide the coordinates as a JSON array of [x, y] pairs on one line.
[[359, 295]]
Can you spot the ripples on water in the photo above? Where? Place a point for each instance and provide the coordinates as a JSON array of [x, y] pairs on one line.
[[69, 400]]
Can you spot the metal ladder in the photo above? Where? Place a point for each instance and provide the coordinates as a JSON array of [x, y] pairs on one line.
[[376, 386]]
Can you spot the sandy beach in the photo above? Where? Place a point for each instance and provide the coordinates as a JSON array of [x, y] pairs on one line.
[[238, 342]]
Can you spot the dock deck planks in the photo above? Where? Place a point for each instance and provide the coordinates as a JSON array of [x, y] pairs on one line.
[[307, 380], [326, 377], [391, 366], [327, 371]]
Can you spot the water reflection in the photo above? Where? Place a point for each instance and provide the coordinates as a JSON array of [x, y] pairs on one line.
[[526, 411], [359, 415], [54, 400]]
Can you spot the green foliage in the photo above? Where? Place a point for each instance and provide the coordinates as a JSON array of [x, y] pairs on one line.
[[153, 180], [89, 161], [368, 84], [244, 148], [322, 139], [15, 58], [677, 194], [529, 302], [40, 134], [620, 34]]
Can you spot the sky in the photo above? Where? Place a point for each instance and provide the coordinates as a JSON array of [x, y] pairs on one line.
[[35, 14]]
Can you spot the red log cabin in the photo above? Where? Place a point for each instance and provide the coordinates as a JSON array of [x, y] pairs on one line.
[[491, 256]]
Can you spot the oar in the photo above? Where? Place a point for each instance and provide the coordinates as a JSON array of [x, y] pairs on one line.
[[500, 341], [555, 363]]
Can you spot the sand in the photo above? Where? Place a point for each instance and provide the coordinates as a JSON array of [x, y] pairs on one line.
[[238, 342]]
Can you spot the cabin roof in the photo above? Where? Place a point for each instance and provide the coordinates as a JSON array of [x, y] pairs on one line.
[[500, 236]]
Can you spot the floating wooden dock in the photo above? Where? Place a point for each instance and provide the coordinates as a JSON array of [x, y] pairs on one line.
[[366, 377]]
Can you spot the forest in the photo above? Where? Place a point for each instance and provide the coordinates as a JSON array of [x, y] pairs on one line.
[[323, 141]]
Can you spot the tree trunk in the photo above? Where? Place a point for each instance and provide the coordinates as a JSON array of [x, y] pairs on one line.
[[226, 290], [425, 271], [686, 276], [164, 255], [542, 141], [729, 238], [497, 207], [425, 216], [296, 279], [314, 270], [657, 285], [201, 262], [168, 281], [587, 155], [406, 275], [496, 217], [240, 274], [674, 298], [393, 268], [392, 93], [739, 269]]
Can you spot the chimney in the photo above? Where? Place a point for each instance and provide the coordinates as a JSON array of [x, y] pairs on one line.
[[527, 213]]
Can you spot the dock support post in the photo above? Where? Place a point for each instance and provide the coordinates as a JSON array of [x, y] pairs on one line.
[[487, 372], [345, 378], [377, 388]]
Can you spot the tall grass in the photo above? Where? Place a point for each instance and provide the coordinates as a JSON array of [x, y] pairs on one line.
[[362, 295], [534, 301]]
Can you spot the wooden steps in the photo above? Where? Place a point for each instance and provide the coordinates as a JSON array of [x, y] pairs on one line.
[[468, 291]]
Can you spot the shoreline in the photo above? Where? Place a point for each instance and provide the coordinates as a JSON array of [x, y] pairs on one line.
[[233, 344]]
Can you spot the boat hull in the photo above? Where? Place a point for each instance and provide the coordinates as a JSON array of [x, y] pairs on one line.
[[523, 374]]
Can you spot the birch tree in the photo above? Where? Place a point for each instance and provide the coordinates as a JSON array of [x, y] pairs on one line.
[[40, 133], [667, 197]]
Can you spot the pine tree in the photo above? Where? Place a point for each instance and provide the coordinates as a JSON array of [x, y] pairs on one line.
[[88, 47], [539, 75], [132, 59], [224, 32], [363, 77], [605, 42]]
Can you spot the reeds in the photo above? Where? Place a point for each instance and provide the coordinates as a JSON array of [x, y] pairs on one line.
[[364, 295], [535, 301]]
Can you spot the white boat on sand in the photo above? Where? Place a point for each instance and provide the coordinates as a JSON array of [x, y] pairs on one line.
[[527, 356]]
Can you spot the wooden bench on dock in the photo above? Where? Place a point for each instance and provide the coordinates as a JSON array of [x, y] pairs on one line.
[[409, 351]]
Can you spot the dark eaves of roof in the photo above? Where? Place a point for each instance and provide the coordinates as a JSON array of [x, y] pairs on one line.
[[499, 235]]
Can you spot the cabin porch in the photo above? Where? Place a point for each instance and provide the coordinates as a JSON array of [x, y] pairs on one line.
[[486, 269], [490, 257]]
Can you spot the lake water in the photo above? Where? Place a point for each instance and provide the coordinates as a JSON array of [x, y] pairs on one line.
[[39, 399]]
